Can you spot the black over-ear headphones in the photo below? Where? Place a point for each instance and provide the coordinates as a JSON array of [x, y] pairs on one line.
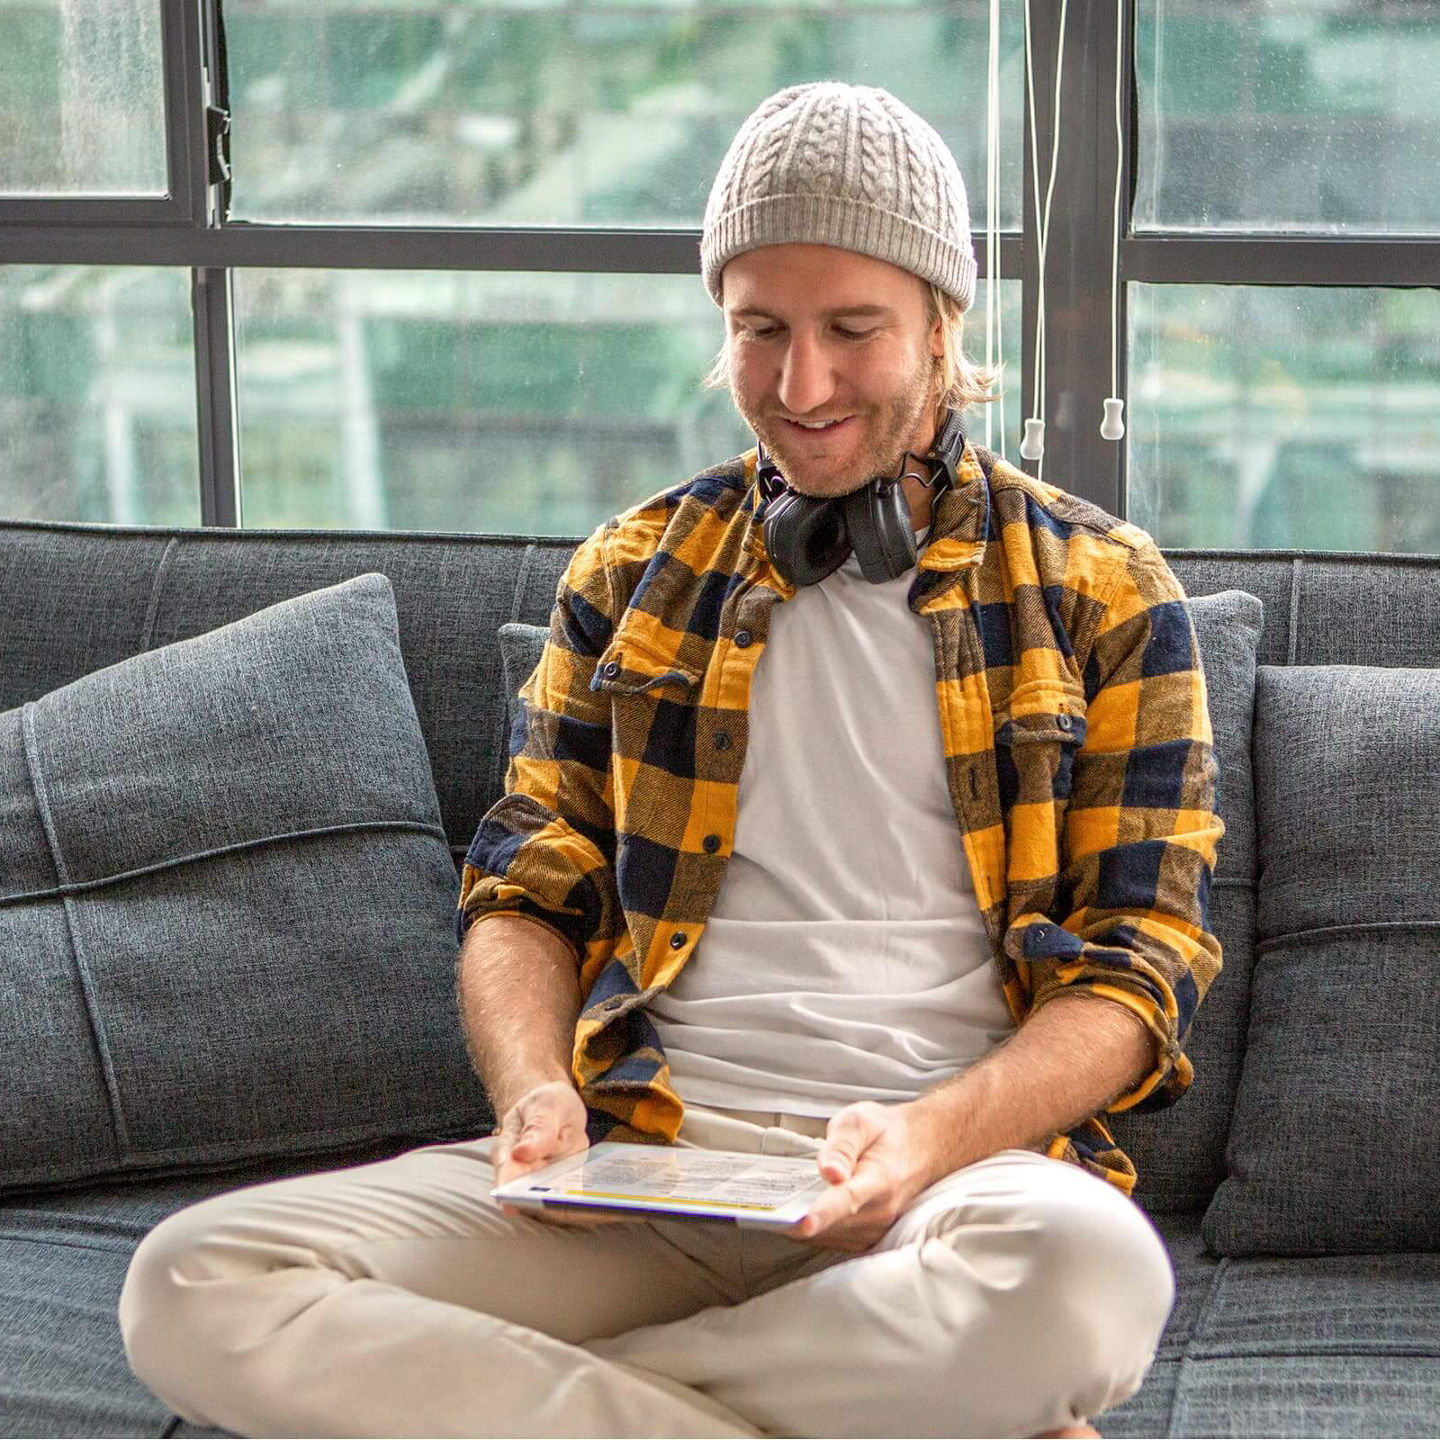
[[808, 537]]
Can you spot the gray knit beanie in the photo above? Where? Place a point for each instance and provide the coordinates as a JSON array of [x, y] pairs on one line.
[[845, 165]]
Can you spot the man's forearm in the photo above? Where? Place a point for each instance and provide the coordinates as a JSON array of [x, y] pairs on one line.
[[1065, 1063], [518, 990]]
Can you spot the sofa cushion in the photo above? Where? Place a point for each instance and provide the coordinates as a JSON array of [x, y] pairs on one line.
[[520, 649], [1369, 1321], [1327, 1345], [1332, 1142], [1179, 1152], [227, 905], [63, 1259]]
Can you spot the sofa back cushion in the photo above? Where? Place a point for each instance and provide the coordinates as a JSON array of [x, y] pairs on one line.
[[227, 907], [1333, 1138], [75, 597]]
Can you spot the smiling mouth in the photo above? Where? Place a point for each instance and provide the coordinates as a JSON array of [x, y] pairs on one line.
[[830, 428]]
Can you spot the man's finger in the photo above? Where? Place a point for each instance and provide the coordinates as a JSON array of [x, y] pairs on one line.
[[868, 1183], [837, 1203], [537, 1131], [848, 1135]]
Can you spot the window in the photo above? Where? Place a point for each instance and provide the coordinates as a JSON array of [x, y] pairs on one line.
[[1290, 141], [418, 264], [82, 100], [97, 394]]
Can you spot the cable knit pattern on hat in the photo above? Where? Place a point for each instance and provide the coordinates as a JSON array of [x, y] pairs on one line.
[[847, 165]]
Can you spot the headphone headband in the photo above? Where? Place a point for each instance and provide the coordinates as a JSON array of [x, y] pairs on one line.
[[807, 537]]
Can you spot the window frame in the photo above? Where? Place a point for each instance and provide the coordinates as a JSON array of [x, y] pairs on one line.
[[183, 205]]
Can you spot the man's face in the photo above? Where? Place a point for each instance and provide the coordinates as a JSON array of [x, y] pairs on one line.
[[817, 334]]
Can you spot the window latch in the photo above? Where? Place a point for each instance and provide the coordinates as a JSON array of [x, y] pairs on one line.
[[217, 130]]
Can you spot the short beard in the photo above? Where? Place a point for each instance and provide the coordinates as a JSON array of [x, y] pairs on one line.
[[884, 456]]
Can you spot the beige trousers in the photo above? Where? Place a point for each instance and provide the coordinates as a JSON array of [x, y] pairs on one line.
[[1015, 1295]]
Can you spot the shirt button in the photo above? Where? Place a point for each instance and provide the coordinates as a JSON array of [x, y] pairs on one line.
[[1064, 722], [611, 668], [677, 940], [711, 843], [742, 638], [722, 740]]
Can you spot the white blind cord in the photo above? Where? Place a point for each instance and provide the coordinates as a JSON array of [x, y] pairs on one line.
[[1112, 426], [994, 336], [1033, 445]]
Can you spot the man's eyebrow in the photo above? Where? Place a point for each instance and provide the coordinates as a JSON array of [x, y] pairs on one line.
[[855, 310]]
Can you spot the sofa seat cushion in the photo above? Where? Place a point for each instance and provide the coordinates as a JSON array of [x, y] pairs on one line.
[[1333, 1139], [63, 1259], [227, 905], [1246, 1351], [1325, 1345]]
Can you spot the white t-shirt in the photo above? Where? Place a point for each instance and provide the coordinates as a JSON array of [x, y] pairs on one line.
[[845, 958]]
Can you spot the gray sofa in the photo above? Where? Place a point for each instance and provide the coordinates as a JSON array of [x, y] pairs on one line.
[[196, 997]]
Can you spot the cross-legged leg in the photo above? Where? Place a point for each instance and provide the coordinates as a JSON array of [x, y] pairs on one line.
[[395, 1299], [1015, 1296]]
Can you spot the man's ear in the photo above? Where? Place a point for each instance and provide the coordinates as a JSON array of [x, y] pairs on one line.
[[937, 337]]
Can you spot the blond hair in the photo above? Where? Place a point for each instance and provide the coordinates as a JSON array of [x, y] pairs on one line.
[[958, 382]]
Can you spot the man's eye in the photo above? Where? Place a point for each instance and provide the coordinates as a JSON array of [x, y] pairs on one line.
[[763, 332], [854, 334]]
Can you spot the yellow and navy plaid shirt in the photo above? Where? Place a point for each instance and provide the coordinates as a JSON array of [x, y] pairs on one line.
[[1078, 753]]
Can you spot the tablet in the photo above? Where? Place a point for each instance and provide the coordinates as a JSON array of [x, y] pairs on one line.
[[752, 1190]]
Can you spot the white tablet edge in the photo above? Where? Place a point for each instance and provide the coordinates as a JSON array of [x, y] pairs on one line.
[[518, 1192]]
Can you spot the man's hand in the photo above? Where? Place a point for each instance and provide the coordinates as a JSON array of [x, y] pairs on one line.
[[876, 1163], [546, 1124], [1068, 1060]]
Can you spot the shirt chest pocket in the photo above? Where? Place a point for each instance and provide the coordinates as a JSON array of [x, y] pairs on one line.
[[628, 667], [653, 722], [1038, 731]]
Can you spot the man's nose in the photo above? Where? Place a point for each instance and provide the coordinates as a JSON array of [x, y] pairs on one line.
[[807, 379]]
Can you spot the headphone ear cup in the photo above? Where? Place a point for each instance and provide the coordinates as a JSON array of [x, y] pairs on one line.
[[805, 537], [877, 517]]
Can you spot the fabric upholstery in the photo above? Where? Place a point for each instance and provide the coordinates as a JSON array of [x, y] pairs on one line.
[[1327, 1345], [520, 649], [63, 1258], [226, 904], [125, 590], [1333, 1139]]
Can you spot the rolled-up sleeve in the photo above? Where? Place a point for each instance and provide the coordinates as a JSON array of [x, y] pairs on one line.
[[1140, 832], [546, 849]]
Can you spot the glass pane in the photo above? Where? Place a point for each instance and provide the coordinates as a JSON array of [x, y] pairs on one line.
[[1282, 115], [587, 113], [82, 103], [1285, 418], [500, 403], [97, 395]]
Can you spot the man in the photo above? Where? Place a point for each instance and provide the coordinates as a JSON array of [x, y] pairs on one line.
[[724, 905]]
